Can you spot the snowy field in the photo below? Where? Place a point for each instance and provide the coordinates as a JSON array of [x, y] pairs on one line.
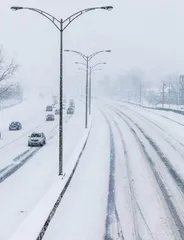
[[9, 103]]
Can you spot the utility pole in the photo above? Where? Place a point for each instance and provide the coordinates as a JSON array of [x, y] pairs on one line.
[[181, 90], [163, 94], [169, 95], [81, 91], [140, 94], [87, 91]]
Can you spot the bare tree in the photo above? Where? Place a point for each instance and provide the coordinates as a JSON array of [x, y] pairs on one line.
[[6, 72]]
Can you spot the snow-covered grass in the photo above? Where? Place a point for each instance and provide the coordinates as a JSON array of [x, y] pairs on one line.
[[9, 103]]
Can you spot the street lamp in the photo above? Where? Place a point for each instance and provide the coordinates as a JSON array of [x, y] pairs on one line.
[[92, 69], [61, 25], [87, 59]]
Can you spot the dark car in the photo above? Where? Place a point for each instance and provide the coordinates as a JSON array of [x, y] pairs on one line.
[[72, 103], [49, 108], [57, 112], [50, 117], [15, 126], [70, 110]]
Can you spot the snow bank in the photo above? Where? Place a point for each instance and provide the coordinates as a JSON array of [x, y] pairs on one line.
[[37, 222], [10, 103]]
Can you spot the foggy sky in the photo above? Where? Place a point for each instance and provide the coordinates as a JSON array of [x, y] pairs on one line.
[[145, 34]]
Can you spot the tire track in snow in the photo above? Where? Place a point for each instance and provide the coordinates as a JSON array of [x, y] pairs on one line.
[[148, 110], [111, 204], [157, 126], [173, 212], [135, 205], [24, 157], [25, 133], [19, 161]]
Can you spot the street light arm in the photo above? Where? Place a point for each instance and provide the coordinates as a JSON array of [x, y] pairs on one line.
[[71, 18], [79, 53], [50, 17], [102, 63], [67, 21], [96, 53], [98, 69], [81, 63], [82, 69]]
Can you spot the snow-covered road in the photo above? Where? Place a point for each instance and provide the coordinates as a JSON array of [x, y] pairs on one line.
[[130, 180], [150, 147], [129, 183]]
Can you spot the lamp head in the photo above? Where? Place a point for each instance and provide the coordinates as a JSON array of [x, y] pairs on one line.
[[15, 8], [109, 8]]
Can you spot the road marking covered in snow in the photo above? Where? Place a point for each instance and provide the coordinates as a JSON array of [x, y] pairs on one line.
[[112, 217]]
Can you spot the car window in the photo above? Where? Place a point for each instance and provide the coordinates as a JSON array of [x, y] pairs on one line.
[[35, 135]]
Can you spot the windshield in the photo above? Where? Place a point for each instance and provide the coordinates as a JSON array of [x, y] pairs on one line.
[[14, 123], [36, 135]]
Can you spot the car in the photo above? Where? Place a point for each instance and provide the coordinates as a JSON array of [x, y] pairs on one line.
[[49, 108], [50, 117], [57, 112], [72, 104], [63, 106], [70, 110], [37, 139], [15, 126]]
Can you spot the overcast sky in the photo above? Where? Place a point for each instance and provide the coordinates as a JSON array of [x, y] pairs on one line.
[[145, 34]]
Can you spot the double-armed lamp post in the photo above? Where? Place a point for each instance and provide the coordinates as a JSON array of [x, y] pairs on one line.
[[87, 59], [91, 70], [61, 25]]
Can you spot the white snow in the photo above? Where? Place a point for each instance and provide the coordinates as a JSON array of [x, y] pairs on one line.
[[82, 211], [141, 208], [31, 227], [21, 192]]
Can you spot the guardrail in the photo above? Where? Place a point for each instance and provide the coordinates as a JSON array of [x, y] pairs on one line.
[[157, 108]]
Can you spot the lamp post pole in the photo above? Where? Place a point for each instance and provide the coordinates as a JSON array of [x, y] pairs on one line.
[[92, 68], [87, 59], [90, 74], [61, 25], [87, 91], [61, 103]]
